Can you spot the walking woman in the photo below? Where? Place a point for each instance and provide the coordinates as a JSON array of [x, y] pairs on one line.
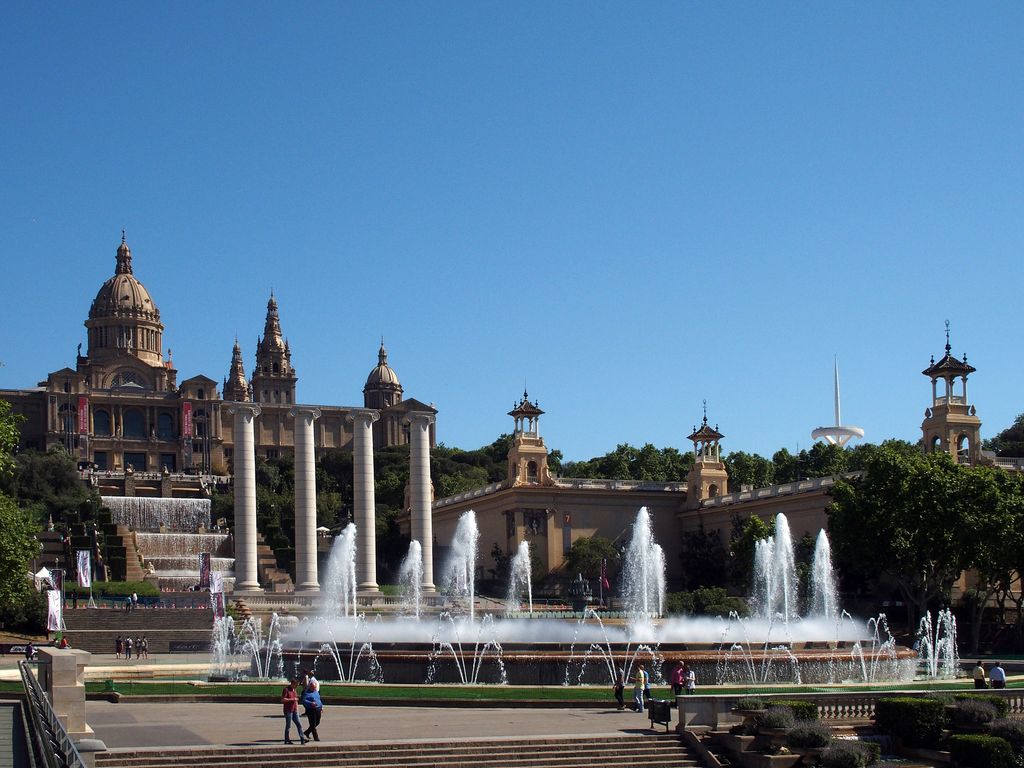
[[290, 703]]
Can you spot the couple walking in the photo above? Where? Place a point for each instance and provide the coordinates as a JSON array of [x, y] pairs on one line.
[[309, 697]]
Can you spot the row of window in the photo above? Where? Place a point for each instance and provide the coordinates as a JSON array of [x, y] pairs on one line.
[[125, 337], [133, 422], [137, 460]]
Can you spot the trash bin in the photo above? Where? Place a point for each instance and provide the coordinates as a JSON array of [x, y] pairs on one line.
[[660, 712]]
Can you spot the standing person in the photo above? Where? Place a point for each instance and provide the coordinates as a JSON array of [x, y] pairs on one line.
[[691, 681], [647, 685], [998, 676], [290, 704], [118, 647], [311, 682], [135, 600], [619, 687], [138, 647], [314, 707], [979, 676], [638, 688], [145, 647], [128, 648], [675, 678], [30, 651]]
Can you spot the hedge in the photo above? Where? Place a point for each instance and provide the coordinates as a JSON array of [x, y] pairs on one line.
[[802, 710], [918, 722], [1001, 704], [1012, 731], [973, 751], [804, 734], [112, 589]]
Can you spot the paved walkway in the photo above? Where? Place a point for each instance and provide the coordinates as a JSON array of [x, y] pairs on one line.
[[177, 725]]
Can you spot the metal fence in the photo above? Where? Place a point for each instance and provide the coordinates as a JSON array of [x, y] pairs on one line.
[[50, 745]]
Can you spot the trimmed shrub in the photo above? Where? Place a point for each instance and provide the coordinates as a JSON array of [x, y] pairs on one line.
[[972, 712], [802, 710], [113, 589], [1001, 705], [843, 753], [974, 751], [776, 717], [749, 702], [808, 735], [1012, 731], [917, 722]]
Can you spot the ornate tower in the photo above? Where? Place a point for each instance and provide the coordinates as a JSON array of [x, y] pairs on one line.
[[951, 424], [527, 455], [236, 388], [382, 388], [708, 477], [273, 380]]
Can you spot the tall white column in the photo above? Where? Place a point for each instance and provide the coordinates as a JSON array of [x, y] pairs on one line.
[[364, 498], [305, 499], [419, 491], [246, 576]]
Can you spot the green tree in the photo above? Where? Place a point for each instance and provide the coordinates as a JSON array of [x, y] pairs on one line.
[[586, 554], [704, 559], [745, 534], [9, 434], [749, 469], [47, 483], [1009, 442], [916, 520]]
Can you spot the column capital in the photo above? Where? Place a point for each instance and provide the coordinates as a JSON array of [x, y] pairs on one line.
[[250, 408], [419, 418], [302, 410], [360, 414]]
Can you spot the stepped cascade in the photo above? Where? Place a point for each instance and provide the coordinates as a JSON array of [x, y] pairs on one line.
[[144, 513], [175, 557]]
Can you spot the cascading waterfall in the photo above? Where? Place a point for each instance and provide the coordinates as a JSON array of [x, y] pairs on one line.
[[339, 585], [643, 576], [460, 570], [144, 513], [175, 557], [519, 580], [410, 578], [824, 593]]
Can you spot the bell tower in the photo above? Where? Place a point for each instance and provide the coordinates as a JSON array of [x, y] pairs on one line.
[[951, 424], [527, 456], [273, 380], [708, 477]]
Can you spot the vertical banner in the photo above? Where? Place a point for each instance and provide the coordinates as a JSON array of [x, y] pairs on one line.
[[54, 614], [217, 604], [204, 570], [216, 582], [186, 420], [84, 568], [83, 415], [57, 579]]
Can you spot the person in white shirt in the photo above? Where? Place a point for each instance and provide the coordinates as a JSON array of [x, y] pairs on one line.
[[998, 676]]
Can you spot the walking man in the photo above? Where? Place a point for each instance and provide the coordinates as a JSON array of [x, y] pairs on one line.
[[998, 676]]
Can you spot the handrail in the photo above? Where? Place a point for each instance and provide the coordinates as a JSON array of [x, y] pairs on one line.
[[56, 750]]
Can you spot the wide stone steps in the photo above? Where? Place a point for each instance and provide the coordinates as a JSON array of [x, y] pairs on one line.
[[655, 751], [96, 629]]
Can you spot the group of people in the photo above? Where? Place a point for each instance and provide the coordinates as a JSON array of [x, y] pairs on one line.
[[140, 645], [681, 677], [309, 698], [997, 676], [131, 602]]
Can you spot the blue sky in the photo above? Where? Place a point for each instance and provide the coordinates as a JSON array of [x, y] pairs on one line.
[[628, 207]]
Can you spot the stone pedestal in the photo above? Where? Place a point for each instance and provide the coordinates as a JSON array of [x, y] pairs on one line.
[[419, 491], [306, 579], [247, 578], [62, 676], [364, 498]]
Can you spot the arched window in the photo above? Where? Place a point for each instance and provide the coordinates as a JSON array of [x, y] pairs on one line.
[[277, 368], [712, 490], [68, 418], [134, 424], [963, 448], [201, 394], [165, 426], [531, 472], [936, 443], [101, 423]]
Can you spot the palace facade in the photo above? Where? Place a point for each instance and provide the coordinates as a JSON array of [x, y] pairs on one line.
[[121, 410]]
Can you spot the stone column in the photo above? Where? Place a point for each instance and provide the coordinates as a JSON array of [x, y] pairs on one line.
[[247, 578], [419, 490], [305, 499], [364, 498]]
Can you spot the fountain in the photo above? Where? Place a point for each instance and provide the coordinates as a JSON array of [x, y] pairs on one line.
[[457, 646], [410, 579], [939, 655], [824, 592], [519, 580], [245, 646], [145, 513]]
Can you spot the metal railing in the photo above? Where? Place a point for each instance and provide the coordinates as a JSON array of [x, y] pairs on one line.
[[50, 743]]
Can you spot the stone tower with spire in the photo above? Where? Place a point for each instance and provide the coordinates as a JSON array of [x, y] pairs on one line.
[[951, 424], [708, 477], [527, 454], [236, 388], [273, 379]]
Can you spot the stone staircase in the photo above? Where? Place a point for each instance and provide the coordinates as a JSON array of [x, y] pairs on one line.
[[96, 629], [606, 751], [272, 578]]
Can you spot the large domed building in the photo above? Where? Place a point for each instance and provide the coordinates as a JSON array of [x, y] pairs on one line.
[[121, 411]]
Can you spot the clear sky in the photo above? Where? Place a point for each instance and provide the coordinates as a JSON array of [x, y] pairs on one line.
[[629, 207]]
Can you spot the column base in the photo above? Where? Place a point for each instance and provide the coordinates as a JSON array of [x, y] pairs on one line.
[[248, 590], [310, 588], [368, 586]]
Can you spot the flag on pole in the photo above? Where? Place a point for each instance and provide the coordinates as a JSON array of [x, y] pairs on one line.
[[204, 570], [84, 568], [54, 614], [604, 574]]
